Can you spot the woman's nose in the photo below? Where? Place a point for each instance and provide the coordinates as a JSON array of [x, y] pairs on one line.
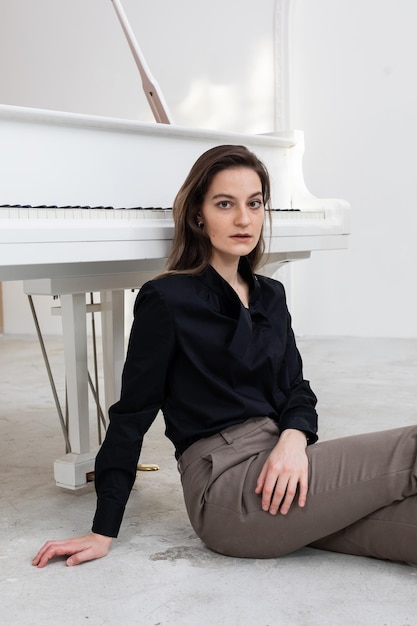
[[242, 216]]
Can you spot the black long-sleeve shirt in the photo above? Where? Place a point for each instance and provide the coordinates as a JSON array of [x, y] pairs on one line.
[[196, 353]]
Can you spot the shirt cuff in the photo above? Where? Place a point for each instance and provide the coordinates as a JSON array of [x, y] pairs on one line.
[[300, 422], [108, 518]]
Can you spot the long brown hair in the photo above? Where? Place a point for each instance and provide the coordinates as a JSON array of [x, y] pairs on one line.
[[191, 246]]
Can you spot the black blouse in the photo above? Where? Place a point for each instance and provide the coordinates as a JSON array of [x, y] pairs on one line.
[[196, 353]]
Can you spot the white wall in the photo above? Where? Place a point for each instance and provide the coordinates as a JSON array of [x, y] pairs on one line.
[[353, 93], [213, 61], [355, 96]]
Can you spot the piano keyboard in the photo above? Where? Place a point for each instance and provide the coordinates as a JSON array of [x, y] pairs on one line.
[[51, 212]]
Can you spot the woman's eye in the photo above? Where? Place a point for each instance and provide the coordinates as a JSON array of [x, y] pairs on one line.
[[255, 204], [224, 204]]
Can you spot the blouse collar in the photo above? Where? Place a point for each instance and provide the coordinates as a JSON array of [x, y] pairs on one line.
[[230, 304], [217, 283]]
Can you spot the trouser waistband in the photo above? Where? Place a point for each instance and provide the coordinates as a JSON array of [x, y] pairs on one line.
[[206, 445]]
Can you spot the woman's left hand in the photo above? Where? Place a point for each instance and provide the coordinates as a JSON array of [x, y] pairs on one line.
[[285, 470]]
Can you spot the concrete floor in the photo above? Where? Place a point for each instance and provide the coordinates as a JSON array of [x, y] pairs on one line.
[[158, 573]]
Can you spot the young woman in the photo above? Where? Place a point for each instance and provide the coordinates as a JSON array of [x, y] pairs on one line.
[[212, 346]]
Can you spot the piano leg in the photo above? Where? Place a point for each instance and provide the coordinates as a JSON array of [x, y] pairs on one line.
[[71, 470], [113, 341]]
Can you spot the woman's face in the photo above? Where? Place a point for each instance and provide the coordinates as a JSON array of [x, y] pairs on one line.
[[233, 213]]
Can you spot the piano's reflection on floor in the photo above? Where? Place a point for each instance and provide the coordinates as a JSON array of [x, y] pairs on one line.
[[53, 159]]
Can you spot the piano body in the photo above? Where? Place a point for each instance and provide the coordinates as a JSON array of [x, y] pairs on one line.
[[67, 160]]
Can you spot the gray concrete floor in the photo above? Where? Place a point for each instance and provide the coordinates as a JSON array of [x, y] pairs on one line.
[[158, 573]]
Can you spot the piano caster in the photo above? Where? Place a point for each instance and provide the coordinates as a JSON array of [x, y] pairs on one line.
[[74, 471]]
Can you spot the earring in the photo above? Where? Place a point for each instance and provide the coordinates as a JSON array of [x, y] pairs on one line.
[[200, 224]]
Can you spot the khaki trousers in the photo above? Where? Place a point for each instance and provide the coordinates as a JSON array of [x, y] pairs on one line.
[[362, 495]]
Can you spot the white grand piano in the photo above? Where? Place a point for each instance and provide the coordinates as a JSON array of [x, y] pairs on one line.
[[54, 159]]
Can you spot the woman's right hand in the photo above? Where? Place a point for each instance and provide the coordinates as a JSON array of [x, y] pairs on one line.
[[80, 549]]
